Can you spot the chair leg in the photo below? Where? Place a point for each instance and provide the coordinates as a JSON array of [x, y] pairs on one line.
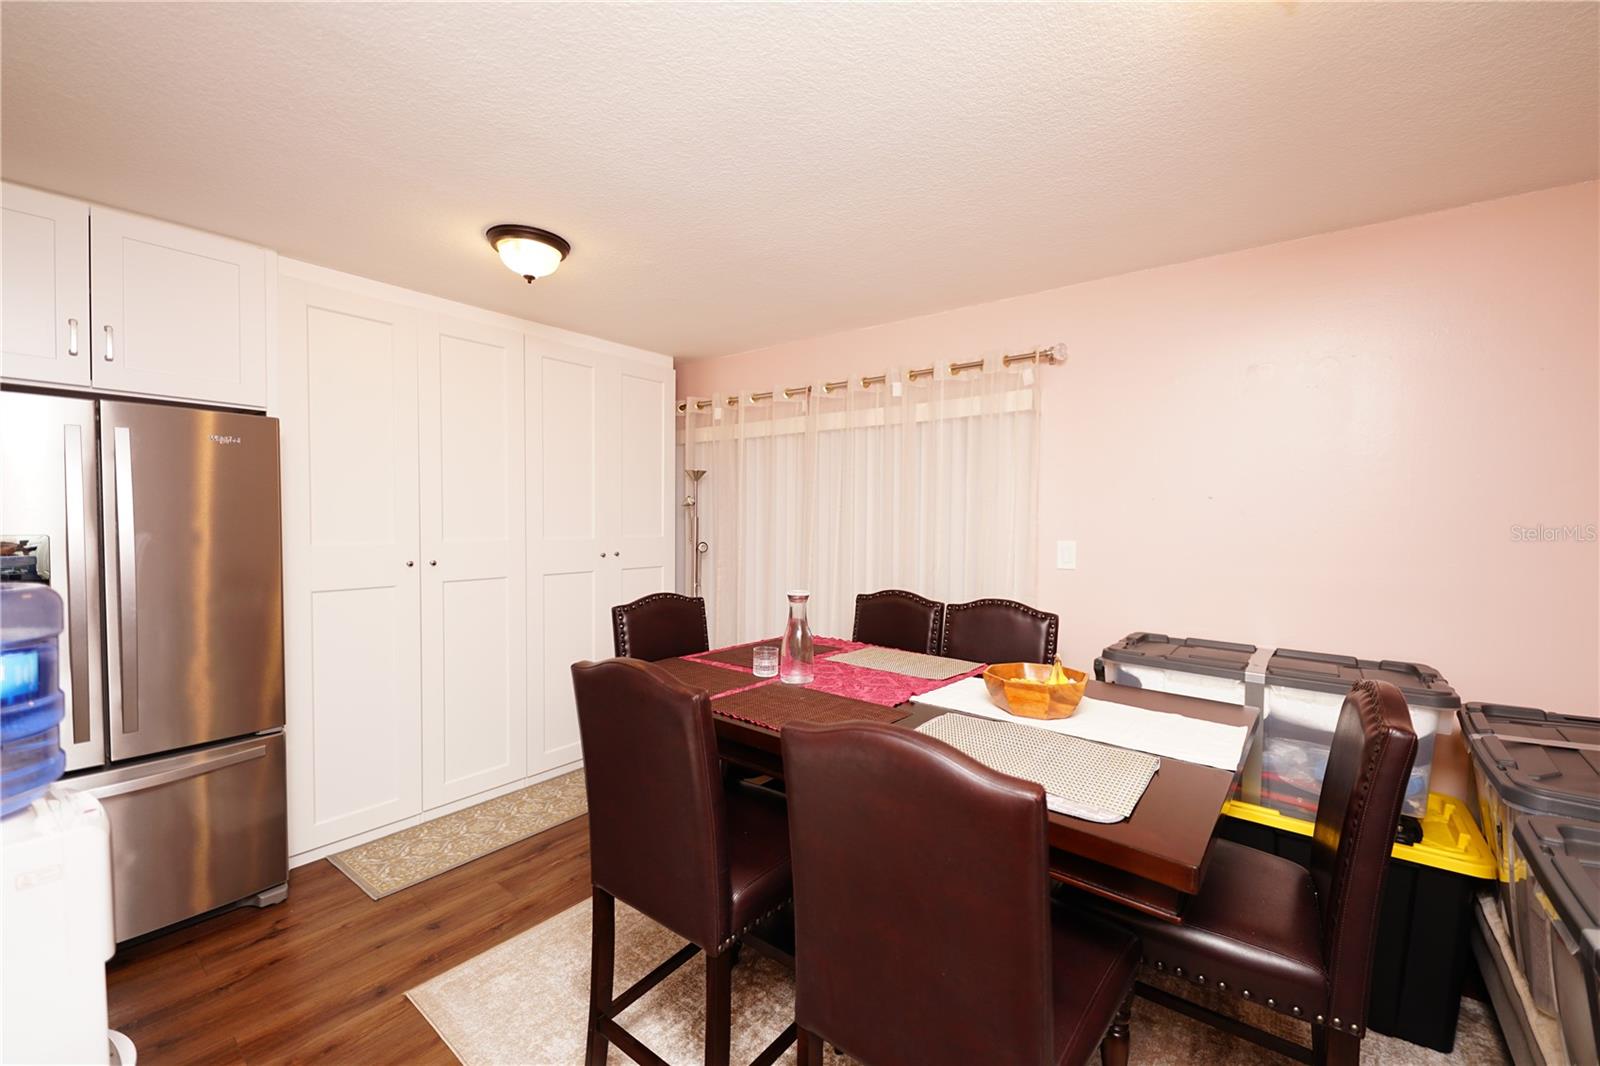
[[602, 959], [1329, 1047], [719, 1007], [1114, 1048], [810, 1048]]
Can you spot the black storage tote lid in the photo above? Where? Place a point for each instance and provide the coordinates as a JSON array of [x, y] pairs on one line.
[[1538, 761], [1309, 670], [1564, 855]]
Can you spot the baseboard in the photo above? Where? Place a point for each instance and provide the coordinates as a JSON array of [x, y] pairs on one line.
[[323, 851]]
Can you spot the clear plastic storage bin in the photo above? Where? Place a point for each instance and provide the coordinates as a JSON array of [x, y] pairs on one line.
[[1300, 693], [1525, 763], [1563, 859]]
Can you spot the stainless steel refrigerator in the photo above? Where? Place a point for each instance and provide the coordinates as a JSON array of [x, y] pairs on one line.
[[159, 527]]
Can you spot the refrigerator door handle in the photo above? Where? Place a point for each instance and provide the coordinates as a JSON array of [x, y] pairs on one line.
[[77, 584], [194, 767], [127, 581]]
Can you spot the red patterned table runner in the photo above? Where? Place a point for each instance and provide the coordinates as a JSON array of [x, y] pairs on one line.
[[841, 679]]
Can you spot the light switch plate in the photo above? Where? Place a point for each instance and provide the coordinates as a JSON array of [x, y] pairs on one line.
[[1066, 555]]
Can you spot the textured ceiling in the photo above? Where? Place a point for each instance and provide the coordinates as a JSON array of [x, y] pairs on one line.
[[735, 176]]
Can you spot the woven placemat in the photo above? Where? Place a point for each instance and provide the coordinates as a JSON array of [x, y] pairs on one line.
[[1082, 779], [739, 654], [712, 679], [777, 705], [909, 663]]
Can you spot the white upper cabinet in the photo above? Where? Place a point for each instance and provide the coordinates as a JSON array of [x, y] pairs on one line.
[[474, 586], [44, 276], [177, 313]]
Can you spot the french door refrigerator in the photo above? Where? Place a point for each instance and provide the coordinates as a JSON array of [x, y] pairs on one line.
[[159, 527]]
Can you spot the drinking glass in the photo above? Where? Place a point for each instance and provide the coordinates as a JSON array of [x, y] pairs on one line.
[[764, 659]]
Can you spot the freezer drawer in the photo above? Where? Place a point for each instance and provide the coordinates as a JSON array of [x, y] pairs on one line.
[[193, 832]]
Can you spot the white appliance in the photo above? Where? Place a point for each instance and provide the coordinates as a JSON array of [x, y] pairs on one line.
[[55, 921]]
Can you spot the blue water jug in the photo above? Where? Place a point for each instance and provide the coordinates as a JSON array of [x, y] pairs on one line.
[[31, 703]]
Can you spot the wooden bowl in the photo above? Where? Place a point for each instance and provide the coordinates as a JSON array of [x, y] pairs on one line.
[[1034, 690]]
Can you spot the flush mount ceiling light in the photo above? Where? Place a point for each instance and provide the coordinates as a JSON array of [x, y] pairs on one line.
[[531, 252]]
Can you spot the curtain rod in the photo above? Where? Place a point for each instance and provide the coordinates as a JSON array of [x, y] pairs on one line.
[[1049, 356]]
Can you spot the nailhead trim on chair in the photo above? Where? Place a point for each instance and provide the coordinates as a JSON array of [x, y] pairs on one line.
[[619, 616], [751, 924], [1271, 1001], [934, 634], [1032, 612]]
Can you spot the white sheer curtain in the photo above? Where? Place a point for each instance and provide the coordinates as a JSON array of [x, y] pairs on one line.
[[927, 485]]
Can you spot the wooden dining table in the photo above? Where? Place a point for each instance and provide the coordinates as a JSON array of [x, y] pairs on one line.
[[1153, 861]]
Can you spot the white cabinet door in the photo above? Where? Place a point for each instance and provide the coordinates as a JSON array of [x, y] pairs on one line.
[[44, 279], [351, 563], [474, 560], [571, 510], [643, 543], [600, 497], [177, 313]]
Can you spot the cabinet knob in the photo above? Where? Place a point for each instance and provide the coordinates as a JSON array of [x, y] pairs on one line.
[[411, 562], [72, 336], [111, 338], [617, 554], [433, 562], [602, 555]]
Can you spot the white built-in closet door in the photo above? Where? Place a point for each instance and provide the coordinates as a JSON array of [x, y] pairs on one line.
[[351, 563], [474, 566], [571, 513], [644, 550]]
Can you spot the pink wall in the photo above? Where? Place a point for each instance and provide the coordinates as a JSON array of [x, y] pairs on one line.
[[1319, 444]]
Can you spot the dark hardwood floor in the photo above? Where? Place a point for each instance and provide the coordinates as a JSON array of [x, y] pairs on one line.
[[322, 977]]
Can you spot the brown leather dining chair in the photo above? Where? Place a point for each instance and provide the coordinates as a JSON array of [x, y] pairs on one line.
[[894, 618], [668, 839], [1301, 941], [663, 625], [999, 631], [924, 931]]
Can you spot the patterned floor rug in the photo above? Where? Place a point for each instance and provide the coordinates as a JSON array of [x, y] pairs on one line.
[[524, 1003], [400, 860]]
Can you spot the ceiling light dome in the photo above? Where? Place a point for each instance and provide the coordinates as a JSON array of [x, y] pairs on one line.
[[530, 252]]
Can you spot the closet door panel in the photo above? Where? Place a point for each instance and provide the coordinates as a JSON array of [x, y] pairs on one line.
[[644, 483], [571, 506], [472, 456], [351, 575]]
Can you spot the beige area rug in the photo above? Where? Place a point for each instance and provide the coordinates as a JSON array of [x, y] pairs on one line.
[[400, 860], [525, 1003]]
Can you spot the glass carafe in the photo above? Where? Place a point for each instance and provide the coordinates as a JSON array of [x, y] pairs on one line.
[[797, 655]]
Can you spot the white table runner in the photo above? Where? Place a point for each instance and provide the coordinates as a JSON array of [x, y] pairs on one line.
[[1173, 736]]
